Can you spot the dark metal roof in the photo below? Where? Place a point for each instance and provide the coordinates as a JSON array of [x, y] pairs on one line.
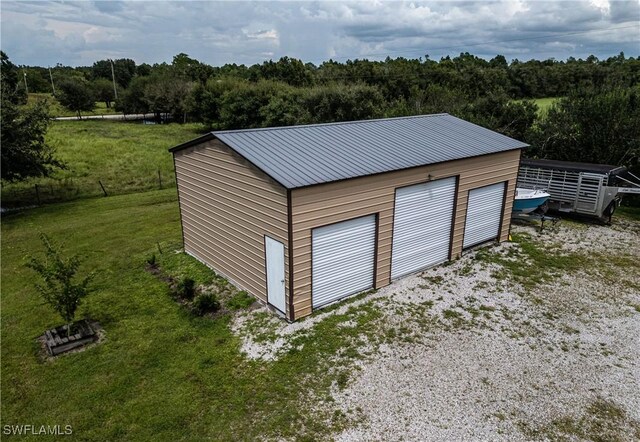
[[299, 156], [572, 166]]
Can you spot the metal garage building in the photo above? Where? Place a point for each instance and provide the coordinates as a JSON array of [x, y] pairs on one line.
[[303, 216]]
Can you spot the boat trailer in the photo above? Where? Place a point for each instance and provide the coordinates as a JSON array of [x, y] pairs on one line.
[[534, 217]]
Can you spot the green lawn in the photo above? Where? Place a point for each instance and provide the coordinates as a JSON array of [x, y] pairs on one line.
[[58, 110], [125, 157], [160, 374]]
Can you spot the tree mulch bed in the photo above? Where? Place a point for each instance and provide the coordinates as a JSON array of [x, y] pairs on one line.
[[57, 340]]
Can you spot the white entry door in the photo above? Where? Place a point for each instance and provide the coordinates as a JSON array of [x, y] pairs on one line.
[[275, 273], [484, 214], [342, 259], [423, 216]]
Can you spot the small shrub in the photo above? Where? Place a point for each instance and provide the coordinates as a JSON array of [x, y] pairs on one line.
[[240, 300], [205, 303], [151, 260], [186, 288]]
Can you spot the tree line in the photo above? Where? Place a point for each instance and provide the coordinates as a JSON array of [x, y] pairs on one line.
[[595, 121], [396, 86], [394, 77]]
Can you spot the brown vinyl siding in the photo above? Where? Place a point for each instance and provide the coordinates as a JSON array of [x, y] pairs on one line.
[[324, 204], [227, 207]]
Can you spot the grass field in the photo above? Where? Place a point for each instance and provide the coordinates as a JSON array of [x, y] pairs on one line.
[[125, 157], [545, 103], [160, 374], [58, 110]]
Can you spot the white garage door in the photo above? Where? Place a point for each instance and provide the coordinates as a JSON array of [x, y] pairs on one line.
[[342, 259], [484, 214], [422, 226]]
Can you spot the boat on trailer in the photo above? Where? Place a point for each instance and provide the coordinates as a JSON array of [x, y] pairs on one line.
[[529, 200]]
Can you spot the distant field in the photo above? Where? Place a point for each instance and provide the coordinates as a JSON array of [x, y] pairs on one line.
[[125, 157], [545, 103], [57, 110]]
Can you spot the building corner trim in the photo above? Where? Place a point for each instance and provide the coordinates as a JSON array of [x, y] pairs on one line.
[[292, 315]]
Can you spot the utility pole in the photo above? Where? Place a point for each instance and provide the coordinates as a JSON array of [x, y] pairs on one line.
[[52, 85], [26, 88], [113, 76]]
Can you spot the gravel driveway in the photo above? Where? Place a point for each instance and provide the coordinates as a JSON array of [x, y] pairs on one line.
[[536, 339]]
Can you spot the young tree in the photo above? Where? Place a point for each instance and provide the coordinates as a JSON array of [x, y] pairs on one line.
[[103, 90], [24, 151], [76, 95], [59, 289]]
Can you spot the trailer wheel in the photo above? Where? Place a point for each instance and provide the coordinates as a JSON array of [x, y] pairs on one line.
[[542, 209], [610, 210]]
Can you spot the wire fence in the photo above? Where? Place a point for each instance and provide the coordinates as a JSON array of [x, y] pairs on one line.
[[48, 191]]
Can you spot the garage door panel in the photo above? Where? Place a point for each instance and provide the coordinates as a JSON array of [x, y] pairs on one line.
[[434, 247], [346, 289], [405, 248], [342, 259], [434, 232], [484, 214], [345, 260], [422, 226]]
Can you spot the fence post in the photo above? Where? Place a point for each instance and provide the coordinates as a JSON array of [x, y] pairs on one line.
[[37, 194], [104, 191], [159, 178]]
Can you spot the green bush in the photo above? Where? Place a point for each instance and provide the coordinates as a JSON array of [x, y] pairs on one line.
[[240, 300], [186, 288], [205, 303]]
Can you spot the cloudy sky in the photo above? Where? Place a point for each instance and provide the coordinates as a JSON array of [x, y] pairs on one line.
[[79, 33]]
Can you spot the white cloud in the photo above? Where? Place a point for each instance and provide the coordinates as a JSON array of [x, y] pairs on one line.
[[603, 5], [270, 34]]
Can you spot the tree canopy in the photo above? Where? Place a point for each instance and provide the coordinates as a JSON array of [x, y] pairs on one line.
[[76, 95], [124, 70], [24, 151]]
